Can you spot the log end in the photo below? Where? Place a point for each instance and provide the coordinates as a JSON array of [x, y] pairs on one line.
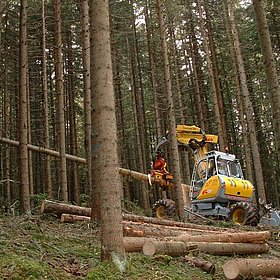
[[149, 248], [231, 269]]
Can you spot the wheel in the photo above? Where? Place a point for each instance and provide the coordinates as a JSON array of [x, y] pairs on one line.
[[164, 208], [244, 213]]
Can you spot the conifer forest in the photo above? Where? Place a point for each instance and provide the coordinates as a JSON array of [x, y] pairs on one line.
[[213, 64]]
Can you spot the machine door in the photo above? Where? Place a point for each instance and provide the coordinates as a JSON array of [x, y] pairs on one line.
[[198, 178]]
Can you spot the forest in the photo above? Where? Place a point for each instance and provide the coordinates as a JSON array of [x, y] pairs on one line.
[[222, 80], [68, 123]]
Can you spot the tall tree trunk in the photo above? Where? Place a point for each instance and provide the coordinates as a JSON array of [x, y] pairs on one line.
[[6, 133], [23, 125], [175, 162], [60, 102], [152, 71], [248, 106], [75, 190], [138, 98], [104, 136], [215, 89], [271, 73], [86, 83], [48, 180], [240, 106], [201, 104]]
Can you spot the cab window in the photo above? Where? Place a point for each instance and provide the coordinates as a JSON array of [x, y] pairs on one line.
[[201, 170]]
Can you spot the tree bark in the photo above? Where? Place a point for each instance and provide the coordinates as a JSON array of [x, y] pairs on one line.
[[57, 208], [248, 105], [171, 115], [135, 244], [235, 268], [86, 84], [223, 249], [151, 230], [63, 188], [23, 124], [46, 105], [233, 237], [69, 218], [104, 137], [151, 248], [240, 105], [270, 71], [215, 89], [151, 220]]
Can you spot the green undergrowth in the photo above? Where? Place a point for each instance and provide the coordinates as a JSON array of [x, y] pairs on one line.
[[40, 247]]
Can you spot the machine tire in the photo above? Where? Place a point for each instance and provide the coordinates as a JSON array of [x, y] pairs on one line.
[[244, 213], [164, 208]]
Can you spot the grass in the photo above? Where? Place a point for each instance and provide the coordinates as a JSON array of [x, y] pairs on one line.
[[40, 247]]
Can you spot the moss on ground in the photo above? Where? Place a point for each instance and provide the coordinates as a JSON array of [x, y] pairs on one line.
[[40, 247]]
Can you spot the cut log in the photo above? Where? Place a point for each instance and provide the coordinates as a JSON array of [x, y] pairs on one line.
[[144, 177], [200, 263], [69, 218], [128, 231], [233, 269], [143, 219], [134, 244], [153, 230], [151, 248], [217, 248], [237, 237], [58, 208], [125, 172]]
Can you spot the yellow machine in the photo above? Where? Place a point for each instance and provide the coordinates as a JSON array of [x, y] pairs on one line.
[[218, 187]]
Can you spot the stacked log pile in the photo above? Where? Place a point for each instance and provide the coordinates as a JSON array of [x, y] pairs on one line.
[[154, 236]]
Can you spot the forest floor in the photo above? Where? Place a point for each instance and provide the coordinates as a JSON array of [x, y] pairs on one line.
[[41, 247]]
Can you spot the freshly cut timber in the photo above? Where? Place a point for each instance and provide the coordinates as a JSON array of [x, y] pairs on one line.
[[164, 208], [128, 231], [233, 237], [70, 218], [59, 208], [153, 220], [223, 249], [135, 244], [144, 177], [151, 248], [244, 213], [233, 269], [151, 230]]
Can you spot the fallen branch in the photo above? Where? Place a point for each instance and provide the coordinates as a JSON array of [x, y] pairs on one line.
[[200, 263], [251, 268]]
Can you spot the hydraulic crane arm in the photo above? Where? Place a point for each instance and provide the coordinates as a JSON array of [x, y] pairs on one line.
[[191, 136]]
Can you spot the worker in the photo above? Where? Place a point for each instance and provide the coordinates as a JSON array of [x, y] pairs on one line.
[[160, 162], [159, 167]]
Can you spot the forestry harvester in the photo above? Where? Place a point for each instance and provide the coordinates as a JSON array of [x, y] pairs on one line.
[[218, 187]]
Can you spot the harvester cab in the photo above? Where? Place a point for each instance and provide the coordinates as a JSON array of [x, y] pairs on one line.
[[219, 189]]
